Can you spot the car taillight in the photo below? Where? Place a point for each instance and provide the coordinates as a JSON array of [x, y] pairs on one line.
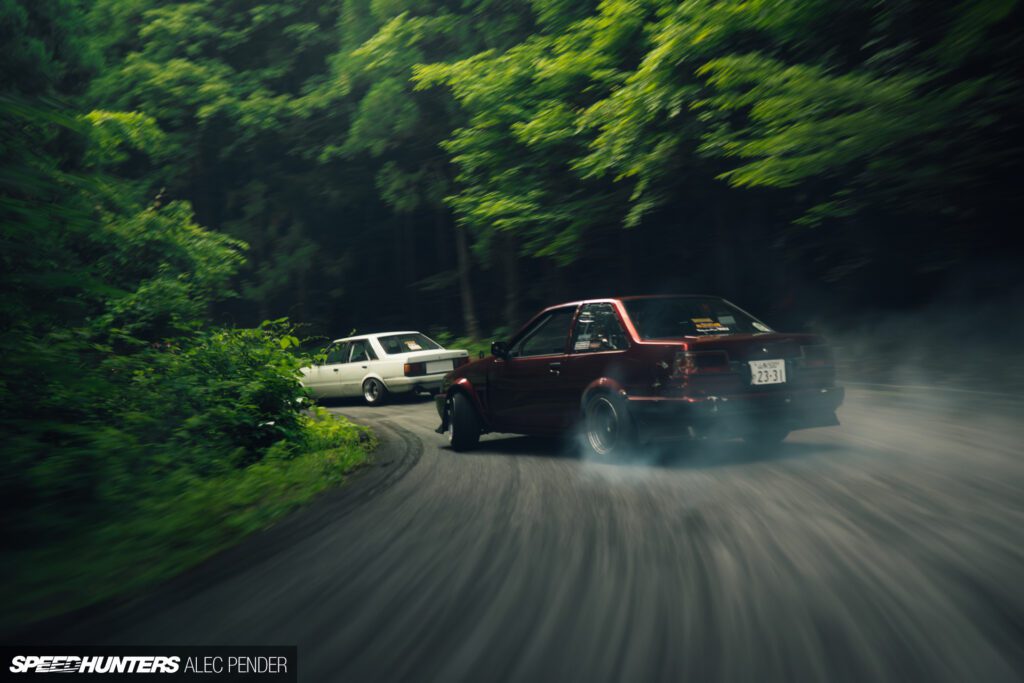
[[701, 362], [817, 356], [460, 361], [415, 369]]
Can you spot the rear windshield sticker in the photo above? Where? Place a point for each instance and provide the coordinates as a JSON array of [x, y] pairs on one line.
[[708, 325], [413, 346], [761, 327]]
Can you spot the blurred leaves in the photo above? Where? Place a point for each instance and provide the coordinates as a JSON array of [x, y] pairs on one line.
[[115, 387]]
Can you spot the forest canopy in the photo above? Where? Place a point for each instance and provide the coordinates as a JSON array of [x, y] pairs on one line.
[[478, 159]]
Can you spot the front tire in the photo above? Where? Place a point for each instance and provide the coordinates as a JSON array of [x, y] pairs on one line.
[[608, 430], [463, 423], [374, 391]]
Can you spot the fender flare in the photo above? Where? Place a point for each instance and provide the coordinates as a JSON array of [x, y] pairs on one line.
[[602, 385], [463, 385]]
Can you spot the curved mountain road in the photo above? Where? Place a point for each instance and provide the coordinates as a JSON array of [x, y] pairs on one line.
[[888, 549]]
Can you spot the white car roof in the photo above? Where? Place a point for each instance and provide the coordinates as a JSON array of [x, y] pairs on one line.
[[376, 334]]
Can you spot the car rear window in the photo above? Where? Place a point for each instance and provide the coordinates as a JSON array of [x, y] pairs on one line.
[[404, 343], [675, 317]]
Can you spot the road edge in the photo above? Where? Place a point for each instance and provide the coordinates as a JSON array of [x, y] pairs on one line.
[[396, 454]]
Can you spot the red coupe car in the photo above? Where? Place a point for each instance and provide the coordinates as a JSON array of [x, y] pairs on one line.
[[638, 368]]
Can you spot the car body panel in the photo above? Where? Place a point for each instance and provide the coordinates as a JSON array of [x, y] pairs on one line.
[[544, 394], [340, 380], [524, 393]]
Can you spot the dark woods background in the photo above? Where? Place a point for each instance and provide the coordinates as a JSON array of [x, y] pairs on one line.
[[459, 164]]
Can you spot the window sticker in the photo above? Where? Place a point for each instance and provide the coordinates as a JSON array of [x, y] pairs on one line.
[[727, 320], [762, 327], [412, 345], [708, 325]]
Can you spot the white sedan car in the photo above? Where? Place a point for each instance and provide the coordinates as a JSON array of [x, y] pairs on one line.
[[374, 365]]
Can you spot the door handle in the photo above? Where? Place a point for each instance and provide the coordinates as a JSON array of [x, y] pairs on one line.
[[364, 367], [554, 367], [335, 369]]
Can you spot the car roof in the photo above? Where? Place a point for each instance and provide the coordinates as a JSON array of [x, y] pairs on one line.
[[632, 297], [375, 334], [667, 296]]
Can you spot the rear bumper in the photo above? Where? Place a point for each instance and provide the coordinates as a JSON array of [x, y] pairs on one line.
[[426, 383], [795, 409]]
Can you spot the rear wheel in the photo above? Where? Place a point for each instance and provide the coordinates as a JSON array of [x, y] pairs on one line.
[[607, 428], [374, 391], [463, 423]]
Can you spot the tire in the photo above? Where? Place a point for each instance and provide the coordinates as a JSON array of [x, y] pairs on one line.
[[374, 391], [608, 429], [463, 423]]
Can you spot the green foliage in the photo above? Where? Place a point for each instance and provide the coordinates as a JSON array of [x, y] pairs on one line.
[[316, 131], [857, 109], [182, 521], [115, 134], [883, 131], [475, 346], [124, 412], [511, 157]]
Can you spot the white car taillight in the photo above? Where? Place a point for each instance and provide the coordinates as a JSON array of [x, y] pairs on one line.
[[415, 369]]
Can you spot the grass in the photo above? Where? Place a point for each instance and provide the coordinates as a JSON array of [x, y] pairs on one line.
[[191, 521]]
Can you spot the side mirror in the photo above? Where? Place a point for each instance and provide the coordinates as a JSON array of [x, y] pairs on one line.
[[499, 349]]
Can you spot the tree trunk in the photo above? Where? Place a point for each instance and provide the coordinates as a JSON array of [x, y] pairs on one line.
[[510, 268], [625, 259], [472, 327], [553, 281], [725, 248], [302, 282]]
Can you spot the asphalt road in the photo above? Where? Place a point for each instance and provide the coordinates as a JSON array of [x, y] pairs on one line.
[[888, 549]]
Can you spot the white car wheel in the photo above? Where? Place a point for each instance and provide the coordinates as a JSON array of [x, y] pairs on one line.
[[374, 391]]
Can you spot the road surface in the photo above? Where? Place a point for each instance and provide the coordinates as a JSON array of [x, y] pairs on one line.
[[888, 549]]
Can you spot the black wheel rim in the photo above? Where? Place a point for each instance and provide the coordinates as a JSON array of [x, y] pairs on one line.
[[602, 426]]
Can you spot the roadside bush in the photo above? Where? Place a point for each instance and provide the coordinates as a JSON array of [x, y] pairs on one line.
[[114, 387], [115, 430], [136, 436], [181, 520]]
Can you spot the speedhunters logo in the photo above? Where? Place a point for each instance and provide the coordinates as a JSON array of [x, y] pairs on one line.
[[163, 663], [47, 664]]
